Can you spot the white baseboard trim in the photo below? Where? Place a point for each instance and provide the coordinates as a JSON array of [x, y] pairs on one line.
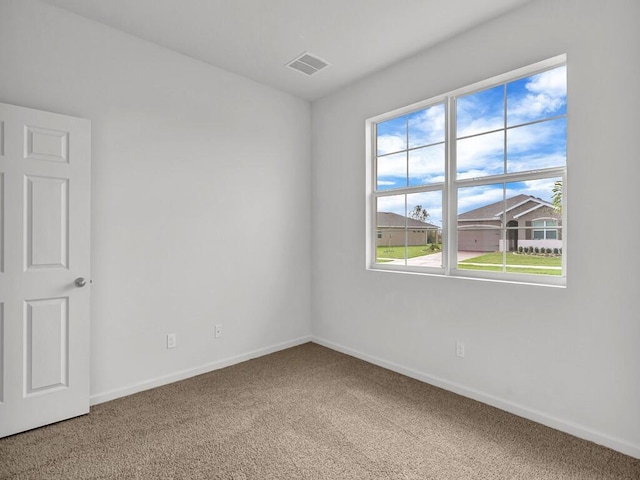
[[192, 372], [569, 427]]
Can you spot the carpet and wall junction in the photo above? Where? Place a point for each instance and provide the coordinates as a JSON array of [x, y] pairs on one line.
[[304, 413]]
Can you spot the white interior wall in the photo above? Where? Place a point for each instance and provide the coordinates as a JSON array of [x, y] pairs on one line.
[[566, 357], [176, 142], [200, 203]]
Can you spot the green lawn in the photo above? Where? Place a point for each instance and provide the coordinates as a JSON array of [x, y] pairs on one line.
[[399, 252], [531, 264], [493, 262], [498, 268]]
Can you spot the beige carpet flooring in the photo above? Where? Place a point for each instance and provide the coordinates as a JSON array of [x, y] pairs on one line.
[[304, 413]]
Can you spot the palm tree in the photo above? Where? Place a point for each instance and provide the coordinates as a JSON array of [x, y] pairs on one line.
[[556, 196]]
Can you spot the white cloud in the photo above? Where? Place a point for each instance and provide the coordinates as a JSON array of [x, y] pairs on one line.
[[547, 95], [482, 154], [541, 188], [391, 143], [479, 125], [393, 165], [536, 162], [427, 161], [480, 112], [427, 126], [433, 179], [393, 204], [471, 198], [552, 82], [533, 147]]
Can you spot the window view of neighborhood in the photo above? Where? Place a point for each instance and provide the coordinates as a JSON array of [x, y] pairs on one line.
[[506, 149], [523, 234]]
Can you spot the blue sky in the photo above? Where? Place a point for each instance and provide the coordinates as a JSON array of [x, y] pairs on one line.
[[480, 152]]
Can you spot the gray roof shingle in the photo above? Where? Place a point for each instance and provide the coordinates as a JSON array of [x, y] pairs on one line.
[[494, 210], [393, 220]]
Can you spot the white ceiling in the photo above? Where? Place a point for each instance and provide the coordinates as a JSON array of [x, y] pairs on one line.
[[257, 38]]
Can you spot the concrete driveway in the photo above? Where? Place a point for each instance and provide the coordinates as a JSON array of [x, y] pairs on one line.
[[433, 260]]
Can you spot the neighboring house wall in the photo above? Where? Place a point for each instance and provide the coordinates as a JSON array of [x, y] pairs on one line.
[[479, 239], [392, 237], [486, 236], [527, 236], [391, 231], [552, 244]]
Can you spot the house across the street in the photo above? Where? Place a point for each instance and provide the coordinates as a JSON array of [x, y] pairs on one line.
[[530, 221], [391, 230]]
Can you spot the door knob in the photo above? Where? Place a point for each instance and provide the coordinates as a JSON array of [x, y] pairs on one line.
[[80, 282]]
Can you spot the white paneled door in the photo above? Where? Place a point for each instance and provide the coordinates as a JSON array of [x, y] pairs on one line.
[[45, 178]]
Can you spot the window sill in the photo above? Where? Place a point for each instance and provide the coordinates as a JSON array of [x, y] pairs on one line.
[[516, 279]]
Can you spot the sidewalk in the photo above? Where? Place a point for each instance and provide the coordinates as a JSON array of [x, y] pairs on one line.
[[433, 260]]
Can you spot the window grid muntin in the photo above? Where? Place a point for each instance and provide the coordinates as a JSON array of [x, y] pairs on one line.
[[452, 183], [408, 190], [406, 228], [510, 127], [505, 125], [410, 149], [422, 106]]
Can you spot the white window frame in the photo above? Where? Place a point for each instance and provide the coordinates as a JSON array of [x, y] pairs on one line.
[[452, 184]]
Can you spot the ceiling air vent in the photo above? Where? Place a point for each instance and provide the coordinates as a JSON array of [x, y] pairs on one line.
[[308, 64]]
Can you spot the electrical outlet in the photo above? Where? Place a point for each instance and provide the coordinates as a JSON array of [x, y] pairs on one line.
[[218, 332], [171, 340], [459, 349]]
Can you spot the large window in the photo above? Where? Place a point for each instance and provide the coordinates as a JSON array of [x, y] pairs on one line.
[[473, 183]]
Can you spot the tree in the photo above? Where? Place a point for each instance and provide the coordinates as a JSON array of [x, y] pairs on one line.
[[556, 196], [419, 213]]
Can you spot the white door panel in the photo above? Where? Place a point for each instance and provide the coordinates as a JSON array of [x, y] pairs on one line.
[[46, 222], [45, 162]]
